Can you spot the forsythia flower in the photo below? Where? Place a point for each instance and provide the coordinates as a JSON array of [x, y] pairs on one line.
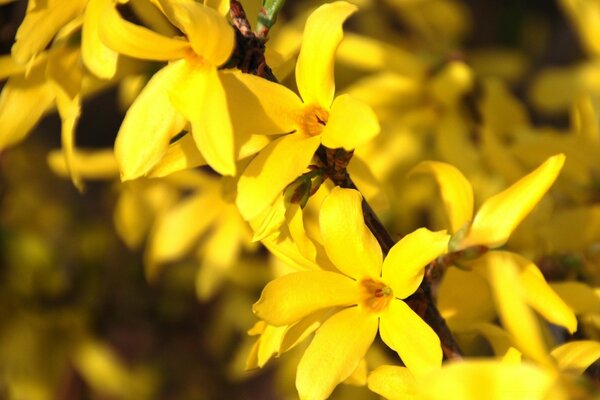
[[366, 295], [315, 119]]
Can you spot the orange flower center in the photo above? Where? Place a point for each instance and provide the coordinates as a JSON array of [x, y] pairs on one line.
[[375, 295], [194, 58], [313, 119]]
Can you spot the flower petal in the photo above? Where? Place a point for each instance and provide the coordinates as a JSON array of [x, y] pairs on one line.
[[322, 36], [404, 266], [136, 41], [200, 97], [500, 214], [209, 33], [351, 124], [349, 244], [455, 189], [393, 383], [96, 56], [276, 166], [149, 124], [183, 154], [415, 342], [336, 350], [509, 297], [576, 356], [291, 297]]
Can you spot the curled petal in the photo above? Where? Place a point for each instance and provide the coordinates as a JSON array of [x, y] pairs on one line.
[[351, 124], [291, 297], [335, 352], [349, 244], [455, 189], [500, 214], [415, 342], [576, 356], [322, 36]]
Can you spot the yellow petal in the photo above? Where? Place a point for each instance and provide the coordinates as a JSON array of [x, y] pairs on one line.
[[97, 164], [348, 242], [33, 94], [276, 166], [183, 154], [322, 36], [201, 98], [576, 356], [335, 352], [393, 383], [351, 124], [510, 301], [97, 57], [415, 342], [500, 214], [490, 380], [291, 297], [40, 25], [542, 298], [136, 41], [296, 333], [455, 189], [404, 266], [209, 33], [295, 219], [581, 298], [8, 67], [149, 124], [258, 106]]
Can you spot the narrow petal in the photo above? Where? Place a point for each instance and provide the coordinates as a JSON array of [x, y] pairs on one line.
[[136, 41], [201, 98], [393, 383], [90, 164], [41, 24], [510, 301], [183, 154], [542, 298], [580, 297], [349, 244], [97, 57], [351, 124], [322, 36], [291, 297], [335, 352], [576, 356], [415, 342], [209, 33], [404, 266], [276, 166], [500, 214], [149, 124], [455, 189]]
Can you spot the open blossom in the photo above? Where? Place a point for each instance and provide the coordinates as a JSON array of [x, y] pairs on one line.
[[365, 296], [316, 118]]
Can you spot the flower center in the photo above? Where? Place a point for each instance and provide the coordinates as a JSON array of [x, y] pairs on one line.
[[375, 295], [313, 119], [194, 58]]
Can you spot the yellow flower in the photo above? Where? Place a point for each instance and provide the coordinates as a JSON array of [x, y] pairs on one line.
[[364, 296], [315, 119], [188, 87]]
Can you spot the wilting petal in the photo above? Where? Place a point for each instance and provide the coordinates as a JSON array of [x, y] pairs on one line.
[[510, 301], [209, 33], [335, 352], [542, 298], [404, 266], [149, 124], [415, 342], [291, 297], [576, 356], [322, 36], [41, 24], [490, 380], [23, 102], [97, 57], [500, 214], [393, 383], [351, 124], [258, 106], [136, 41], [349, 244], [455, 189], [275, 167], [200, 97]]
